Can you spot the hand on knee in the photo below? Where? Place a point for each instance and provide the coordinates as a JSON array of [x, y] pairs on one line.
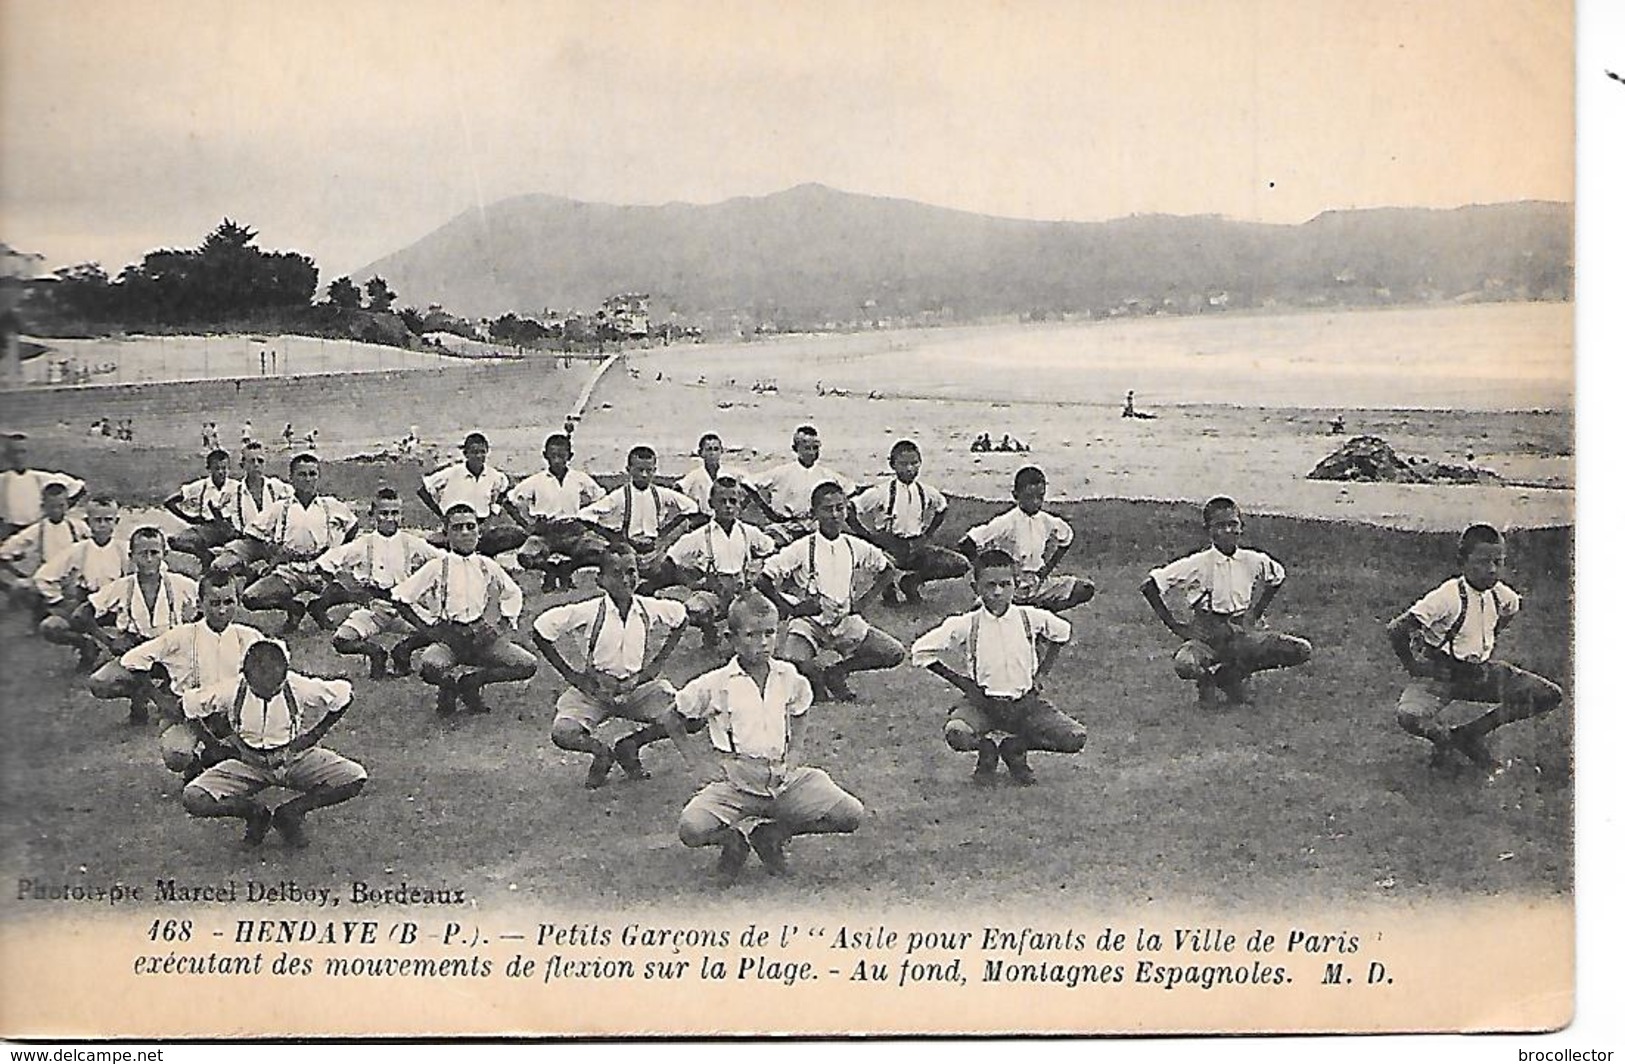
[[1071, 744], [960, 737], [570, 735]]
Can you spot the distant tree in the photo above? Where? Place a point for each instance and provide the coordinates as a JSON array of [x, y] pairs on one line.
[[343, 293], [379, 297], [85, 291], [412, 319]]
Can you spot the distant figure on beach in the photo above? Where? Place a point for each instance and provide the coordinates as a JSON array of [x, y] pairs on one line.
[[310, 438], [262, 361], [96, 427], [981, 444], [287, 436], [1337, 425], [248, 433], [1129, 411], [273, 361]]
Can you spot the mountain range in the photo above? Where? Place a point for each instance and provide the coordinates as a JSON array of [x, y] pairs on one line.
[[813, 256]]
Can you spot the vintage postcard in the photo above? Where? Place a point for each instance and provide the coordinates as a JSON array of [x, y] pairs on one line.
[[717, 519]]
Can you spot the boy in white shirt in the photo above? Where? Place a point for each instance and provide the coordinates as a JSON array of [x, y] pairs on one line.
[[784, 493], [546, 504], [270, 719], [182, 659], [69, 579], [1445, 642], [365, 571], [618, 676], [719, 559], [647, 516], [26, 551], [292, 534], [1037, 540], [823, 569], [758, 793], [446, 600], [474, 483], [900, 517], [245, 500], [22, 489], [203, 505], [1227, 589], [699, 481], [1000, 672], [128, 611]]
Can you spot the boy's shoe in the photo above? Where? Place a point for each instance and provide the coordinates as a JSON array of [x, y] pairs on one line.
[[401, 663], [987, 763], [1477, 750], [735, 852], [1207, 693], [291, 826], [836, 687], [626, 755], [445, 700], [768, 842], [598, 771], [88, 657], [377, 666], [138, 713], [1015, 759], [1237, 686], [296, 613], [469, 691], [256, 826]]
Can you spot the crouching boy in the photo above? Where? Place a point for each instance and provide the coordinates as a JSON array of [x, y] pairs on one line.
[[1227, 589], [1445, 642], [758, 793], [997, 646], [271, 720]]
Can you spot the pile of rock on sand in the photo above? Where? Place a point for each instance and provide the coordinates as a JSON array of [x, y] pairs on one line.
[[1369, 458]]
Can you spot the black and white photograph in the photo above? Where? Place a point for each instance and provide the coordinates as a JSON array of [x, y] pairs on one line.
[[721, 519]]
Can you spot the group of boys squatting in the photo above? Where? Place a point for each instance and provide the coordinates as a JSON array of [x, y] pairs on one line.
[[785, 604]]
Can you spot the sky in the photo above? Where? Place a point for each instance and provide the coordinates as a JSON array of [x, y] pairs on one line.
[[347, 131]]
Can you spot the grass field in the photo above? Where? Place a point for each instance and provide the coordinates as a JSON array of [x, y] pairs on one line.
[[1310, 794]]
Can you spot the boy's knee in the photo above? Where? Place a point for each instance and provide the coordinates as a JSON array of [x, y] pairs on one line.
[[846, 816], [348, 641], [1299, 651], [960, 736], [695, 828], [55, 630], [1186, 667], [197, 801], [1082, 591], [1548, 697], [1071, 742], [892, 653], [569, 734]]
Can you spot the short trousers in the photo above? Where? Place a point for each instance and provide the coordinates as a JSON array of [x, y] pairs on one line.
[[647, 704], [805, 796], [843, 637], [304, 772], [1030, 716]]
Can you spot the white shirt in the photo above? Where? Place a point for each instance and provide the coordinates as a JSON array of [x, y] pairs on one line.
[[20, 493], [194, 654], [789, 487], [1026, 538], [201, 499], [713, 551], [742, 718], [267, 723], [457, 587], [1474, 640], [1214, 582], [241, 509], [697, 484], [622, 646], [85, 565], [1005, 661], [638, 514], [377, 560], [455, 484], [544, 495], [904, 510], [826, 567], [41, 541], [305, 531], [176, 603]]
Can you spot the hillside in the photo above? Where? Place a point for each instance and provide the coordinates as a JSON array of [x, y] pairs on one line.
[[813, 255]]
